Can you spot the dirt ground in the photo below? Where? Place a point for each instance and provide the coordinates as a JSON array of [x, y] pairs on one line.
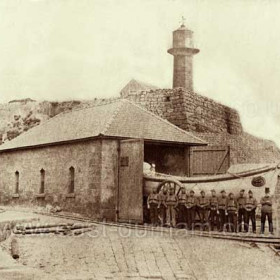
[[117, 253]]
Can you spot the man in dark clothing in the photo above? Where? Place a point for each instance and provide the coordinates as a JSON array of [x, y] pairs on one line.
[[250, 208], [202, 204], [213, 205], [222, 204], [162, 206], [232, 213], [241, 210], [171, 203], [266, 211], [153, 206], [182, 210], [191, 204]]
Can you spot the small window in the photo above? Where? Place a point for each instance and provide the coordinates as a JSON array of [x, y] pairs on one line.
[[17, 182], [71, 187], [42, 185], [167, 98]]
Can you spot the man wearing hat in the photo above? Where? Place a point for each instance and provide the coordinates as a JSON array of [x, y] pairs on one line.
[[190, 205], [232, 213], [202, 204], [241, 210], [153, 206], [222, 204], [213, 205], [171, 203], [182, 210], [266, 211], [162, 206], [250, 212]]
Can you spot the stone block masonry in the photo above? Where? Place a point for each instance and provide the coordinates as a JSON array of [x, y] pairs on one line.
[[210, 120], [95, 175], [245, 148], [190, 111], [217, 124]]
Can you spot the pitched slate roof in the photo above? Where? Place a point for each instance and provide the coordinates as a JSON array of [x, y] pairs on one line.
[[120, 118]]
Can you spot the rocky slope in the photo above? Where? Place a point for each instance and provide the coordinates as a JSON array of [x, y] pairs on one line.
[[20, 115]]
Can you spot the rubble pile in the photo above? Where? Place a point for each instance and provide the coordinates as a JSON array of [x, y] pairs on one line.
[[55, 228]]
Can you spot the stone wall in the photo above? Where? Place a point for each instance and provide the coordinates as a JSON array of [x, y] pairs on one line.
[[94, 177], [245, 148], [217, 124], [190, 111]]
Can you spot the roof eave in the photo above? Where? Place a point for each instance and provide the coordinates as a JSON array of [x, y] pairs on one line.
[[101, 135], [50, 144]]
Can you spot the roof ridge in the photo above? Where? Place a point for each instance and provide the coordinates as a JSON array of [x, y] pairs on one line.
[[146, 84], [113, 116], [166, 121]]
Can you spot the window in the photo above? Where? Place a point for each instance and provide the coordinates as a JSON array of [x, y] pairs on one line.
[[167, 98], [72, 180], [17, 182], [42, 186]]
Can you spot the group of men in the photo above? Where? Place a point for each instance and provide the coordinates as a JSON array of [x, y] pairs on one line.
[[225, 212]]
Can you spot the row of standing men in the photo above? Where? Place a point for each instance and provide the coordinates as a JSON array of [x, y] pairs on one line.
[[225, 212]]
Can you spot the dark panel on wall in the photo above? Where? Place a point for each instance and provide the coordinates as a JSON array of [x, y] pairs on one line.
[[168, 159]]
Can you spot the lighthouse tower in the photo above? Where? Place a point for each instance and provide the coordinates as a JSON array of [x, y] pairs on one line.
[[183, 51]]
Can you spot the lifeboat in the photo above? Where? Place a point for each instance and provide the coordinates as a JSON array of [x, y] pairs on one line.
[[255, 179]]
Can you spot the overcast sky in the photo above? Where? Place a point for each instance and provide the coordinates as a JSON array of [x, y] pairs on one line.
[[82, 49]]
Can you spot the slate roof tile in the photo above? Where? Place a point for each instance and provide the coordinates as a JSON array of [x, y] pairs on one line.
[[121, 118]]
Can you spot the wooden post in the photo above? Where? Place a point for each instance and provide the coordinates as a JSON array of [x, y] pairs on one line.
[[14, 249]]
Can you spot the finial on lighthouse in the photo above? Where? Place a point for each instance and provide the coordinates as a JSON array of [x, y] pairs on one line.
[[183, 21]]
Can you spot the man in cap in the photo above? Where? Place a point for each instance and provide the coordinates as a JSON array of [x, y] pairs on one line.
[[191, 204], [250, 214], [202, 204], [171, 203], [266, 211], [232, 213], [162, 206], [241, 210], [213, 205], [222, 204], [153, 206], [182, 210]]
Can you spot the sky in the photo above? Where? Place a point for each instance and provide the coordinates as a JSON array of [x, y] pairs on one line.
[[83, 49]]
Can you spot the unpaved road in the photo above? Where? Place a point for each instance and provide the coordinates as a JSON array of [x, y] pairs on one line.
[[119, 253]]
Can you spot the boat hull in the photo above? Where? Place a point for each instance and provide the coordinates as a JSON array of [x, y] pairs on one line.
[[228, 182]]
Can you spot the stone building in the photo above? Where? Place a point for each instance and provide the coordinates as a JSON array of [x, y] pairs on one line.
[[181, 105], [214, 122], [90, 161]]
